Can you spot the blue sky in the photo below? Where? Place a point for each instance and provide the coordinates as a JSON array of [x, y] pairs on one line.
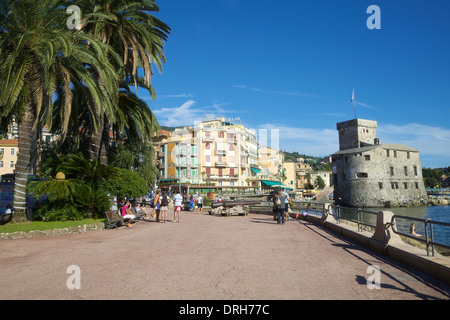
[[291, 65]]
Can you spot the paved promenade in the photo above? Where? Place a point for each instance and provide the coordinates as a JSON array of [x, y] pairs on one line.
[[206, 257]]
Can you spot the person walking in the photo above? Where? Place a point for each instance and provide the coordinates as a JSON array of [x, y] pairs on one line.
[[199, 204], [191, 203], [274, 208], [157, 205], [177, 200], [279, 204], [286, 204], [164, 205]]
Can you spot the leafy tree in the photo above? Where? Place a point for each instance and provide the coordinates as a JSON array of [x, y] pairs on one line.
[[128, 184], [39, 56], [131, 31], [320, 184]]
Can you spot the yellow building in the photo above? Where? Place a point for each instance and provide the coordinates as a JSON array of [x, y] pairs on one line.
[[8, 155], [290, 175], [217, 152]]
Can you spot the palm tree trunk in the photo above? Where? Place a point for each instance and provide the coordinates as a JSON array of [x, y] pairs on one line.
[[95, 141], [23, 166], [104, 145]]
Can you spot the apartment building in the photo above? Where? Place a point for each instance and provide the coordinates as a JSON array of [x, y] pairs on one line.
[[219, 152], [9, 149]]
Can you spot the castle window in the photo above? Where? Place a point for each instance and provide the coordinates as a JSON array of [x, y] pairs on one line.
[[394, 185], [362, 175], [367, 157], [387, 153], [380, 185], [417, 185], [415, 170], [395, 153], [407, 155], [405, 184], [392, 171], [406, 170]]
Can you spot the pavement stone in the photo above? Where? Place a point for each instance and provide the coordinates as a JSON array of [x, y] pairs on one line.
[[207, 257]]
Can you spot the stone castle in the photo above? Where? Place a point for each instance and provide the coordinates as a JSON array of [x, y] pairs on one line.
[[367, 173]]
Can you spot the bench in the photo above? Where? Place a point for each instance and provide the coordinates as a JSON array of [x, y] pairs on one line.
[[113, 219], [140, 214]]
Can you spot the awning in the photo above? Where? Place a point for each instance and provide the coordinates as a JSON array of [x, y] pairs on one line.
[[255, 170], [271, 183]]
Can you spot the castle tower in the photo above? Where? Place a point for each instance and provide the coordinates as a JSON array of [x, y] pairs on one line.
[[367, 173], [356, 133]]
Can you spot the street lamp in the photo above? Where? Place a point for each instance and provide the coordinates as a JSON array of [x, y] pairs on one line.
[[179, 164]]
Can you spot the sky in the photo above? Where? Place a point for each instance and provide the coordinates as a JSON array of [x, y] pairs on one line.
[[291, 65]]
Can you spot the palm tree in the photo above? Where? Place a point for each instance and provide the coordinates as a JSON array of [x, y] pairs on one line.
[[137, 36], [38, 56]]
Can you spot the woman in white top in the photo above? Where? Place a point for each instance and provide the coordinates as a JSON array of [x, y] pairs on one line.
[[199, 204]]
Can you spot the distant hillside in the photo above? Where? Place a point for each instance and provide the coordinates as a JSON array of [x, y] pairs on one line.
[[171, 129], [314, 162], [292, 156]]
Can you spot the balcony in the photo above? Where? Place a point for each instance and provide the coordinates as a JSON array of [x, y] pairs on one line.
[[221, 152], [208, 139], [220, 164]]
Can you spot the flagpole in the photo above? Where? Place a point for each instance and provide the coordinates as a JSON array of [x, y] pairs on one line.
[[354, 102]]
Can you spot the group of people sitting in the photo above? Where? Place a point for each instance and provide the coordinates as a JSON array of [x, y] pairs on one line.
[[160, 206]]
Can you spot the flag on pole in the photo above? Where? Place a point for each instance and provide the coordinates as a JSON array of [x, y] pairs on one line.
[[354, 102]]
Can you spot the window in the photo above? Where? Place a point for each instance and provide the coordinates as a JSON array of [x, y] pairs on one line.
[[12, 151], [417, 185], [405, 184], [380, 185], [11, 164], [208, 171], [415, 170], [1, 164], [362, 175], [395, 153], [394, 185], [231, 171], [406, 170], [387, 153], [367, 157], [208, 158], [207, 146], [407, 155], [392, 171]]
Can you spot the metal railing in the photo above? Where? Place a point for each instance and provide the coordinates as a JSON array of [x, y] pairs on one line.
[[428, 239], [360, 221]]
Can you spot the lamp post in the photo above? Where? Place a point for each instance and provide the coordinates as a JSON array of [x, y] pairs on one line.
[[179, 163]]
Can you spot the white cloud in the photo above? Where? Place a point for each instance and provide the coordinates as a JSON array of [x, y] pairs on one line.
[[314, 142], [182, 95], [432, 142], [429, 140], [186, 114]]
